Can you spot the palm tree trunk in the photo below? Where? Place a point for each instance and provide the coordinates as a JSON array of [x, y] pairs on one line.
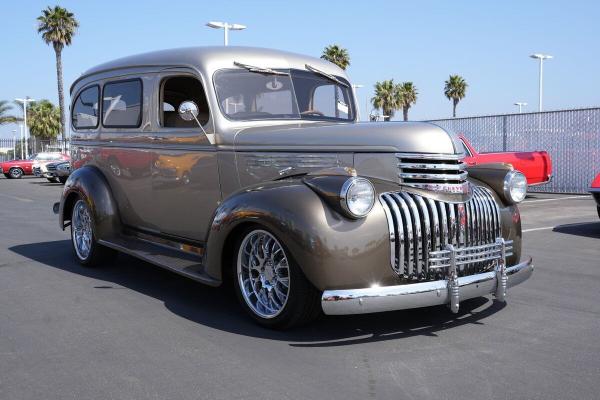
[[405, 112], [454, 104], [61, 95]]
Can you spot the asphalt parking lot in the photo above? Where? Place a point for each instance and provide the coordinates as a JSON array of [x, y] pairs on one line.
[[133, 331]]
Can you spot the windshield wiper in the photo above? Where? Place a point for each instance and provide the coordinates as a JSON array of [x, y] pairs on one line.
[[326, 75], [259, 70]]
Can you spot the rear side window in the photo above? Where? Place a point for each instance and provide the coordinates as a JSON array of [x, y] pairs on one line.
[[85, 109], [122, 104]]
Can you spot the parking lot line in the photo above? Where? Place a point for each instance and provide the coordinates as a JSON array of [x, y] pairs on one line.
[[556, 199], [538, 229], [16, 198]]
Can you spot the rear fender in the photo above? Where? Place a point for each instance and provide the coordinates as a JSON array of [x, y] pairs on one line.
[[89, 183]]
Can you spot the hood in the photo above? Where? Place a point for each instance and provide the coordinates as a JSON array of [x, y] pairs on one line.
[[417, 137]]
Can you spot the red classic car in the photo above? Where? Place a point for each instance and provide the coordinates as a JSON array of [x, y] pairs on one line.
[[15, 169], [535, 165], [595, 191]]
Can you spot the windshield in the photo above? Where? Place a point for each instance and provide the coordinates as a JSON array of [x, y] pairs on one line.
[[248, 95]]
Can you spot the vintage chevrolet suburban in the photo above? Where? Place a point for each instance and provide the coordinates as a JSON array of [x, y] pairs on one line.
[[249, 165]]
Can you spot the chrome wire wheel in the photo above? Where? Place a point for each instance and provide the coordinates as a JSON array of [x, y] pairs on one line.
[[82, 230], [263, 274]]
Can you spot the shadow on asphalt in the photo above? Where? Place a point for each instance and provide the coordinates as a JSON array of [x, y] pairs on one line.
[[217, 307], [585, 229]]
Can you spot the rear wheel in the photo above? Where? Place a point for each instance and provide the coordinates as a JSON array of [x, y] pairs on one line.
[[269, 284], [15, 173], [83, 237]]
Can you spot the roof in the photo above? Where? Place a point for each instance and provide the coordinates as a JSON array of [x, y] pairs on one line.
[[209, 59]]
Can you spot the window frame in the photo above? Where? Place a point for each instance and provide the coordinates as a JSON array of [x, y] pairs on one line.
[[99, 107], [141, 115], [162, 80]]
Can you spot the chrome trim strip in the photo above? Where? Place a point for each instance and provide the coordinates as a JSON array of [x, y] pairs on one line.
[[425, 294], [433, 177], [431, 156], [391, 229], [416, 165]]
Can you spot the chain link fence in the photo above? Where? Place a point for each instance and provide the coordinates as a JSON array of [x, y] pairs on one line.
[[11, 149], [571, 137]]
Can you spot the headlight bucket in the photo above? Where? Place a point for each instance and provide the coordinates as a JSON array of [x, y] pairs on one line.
[[357, 197], [515, 187]]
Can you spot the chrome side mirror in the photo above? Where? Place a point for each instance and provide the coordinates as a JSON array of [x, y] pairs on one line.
[[188, 110]]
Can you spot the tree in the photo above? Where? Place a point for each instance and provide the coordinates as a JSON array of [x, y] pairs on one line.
[[43, 120], [5, 117], [455, 89], [57, 26], [406, 93], [337, 55], [386, 98]]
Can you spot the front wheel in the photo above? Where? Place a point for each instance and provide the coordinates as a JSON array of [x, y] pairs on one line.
[[269, 284], [63, 179], [15, 173], [83, 237], [53, 180]]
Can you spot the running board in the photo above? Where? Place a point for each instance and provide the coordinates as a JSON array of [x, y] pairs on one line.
[[183, 263]]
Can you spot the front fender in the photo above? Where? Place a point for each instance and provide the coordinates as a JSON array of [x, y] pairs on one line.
[[332, 250], [89, 183]]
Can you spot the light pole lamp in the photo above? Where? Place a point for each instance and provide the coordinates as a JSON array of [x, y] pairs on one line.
[[25, 101], [520, 104], [541, 57], [226, 27]]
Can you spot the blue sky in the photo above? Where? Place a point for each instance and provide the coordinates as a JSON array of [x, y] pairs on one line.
[[488, 43]]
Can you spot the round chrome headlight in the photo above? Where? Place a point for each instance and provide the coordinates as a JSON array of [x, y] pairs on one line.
[[357, 197], [515, 186]]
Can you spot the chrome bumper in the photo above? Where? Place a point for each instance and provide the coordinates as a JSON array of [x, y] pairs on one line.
[[425, 294]]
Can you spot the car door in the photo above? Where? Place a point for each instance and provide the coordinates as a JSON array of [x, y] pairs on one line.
[[185, 188]]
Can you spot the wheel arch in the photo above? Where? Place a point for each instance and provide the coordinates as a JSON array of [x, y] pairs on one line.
[[321, 240], [90, 184]]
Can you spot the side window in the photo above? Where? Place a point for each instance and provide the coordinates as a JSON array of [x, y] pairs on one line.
[[85, 109], [330, 101], [176, 90], [122, 104]]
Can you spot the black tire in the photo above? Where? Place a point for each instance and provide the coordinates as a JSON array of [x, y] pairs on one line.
[[15, 173], [598, 209], [63, 179], [304, 300], [53, 180], [97, 254]]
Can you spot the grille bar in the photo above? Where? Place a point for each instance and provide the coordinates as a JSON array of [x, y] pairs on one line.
[[442, 172], [421, 229]]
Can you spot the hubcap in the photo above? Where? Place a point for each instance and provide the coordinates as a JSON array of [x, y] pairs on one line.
[[263, 274], [15, 173], [82, 230]]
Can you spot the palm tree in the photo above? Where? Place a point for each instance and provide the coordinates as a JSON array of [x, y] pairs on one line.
[[44, 120], [455, 89], [337, 55], [57, 26], [406, 93], [6, 118], [385, 98]]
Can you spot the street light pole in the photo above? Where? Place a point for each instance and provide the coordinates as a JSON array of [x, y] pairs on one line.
[[226, 27], [25, 101], [541, 57], [14, 131], [520, 105]]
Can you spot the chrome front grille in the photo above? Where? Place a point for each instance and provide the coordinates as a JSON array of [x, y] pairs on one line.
[[437, 172], [51, 167], [421, 229]]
